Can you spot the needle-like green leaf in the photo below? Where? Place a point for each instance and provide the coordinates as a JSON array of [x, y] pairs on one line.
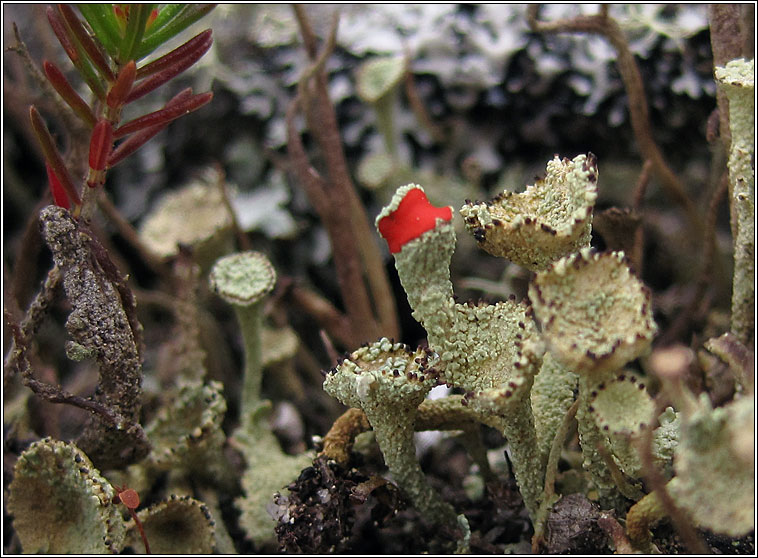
[[135, 30], [102, 21], [159, 34]]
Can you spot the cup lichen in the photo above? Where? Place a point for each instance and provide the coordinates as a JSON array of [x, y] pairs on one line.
[[489, 350], [595, 314], [388, 381], [244, 280], [551, 219]]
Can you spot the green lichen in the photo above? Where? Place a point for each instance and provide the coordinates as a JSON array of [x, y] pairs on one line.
[[196, 216], [490, 350], [713, 460], [552, 395], [551, 219], [61, 504], [596, 317], [388, 381], [737, 80], [268, 471], [186, 434], [621, 410], [714, 481], [376, 84], [244, 280], [595, 314], [666, 439], [178, 525]]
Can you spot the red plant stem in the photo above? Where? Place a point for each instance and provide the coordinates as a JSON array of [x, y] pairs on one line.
[[200, 43], [52, 155], [92, 49], [176, 67], [140, 529], [164, 115], [100, 145], [68, 94]]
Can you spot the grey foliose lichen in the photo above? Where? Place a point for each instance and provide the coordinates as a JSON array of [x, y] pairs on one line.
[[61, 504], [196, 216]]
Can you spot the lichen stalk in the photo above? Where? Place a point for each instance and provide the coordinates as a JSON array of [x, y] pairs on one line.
[[244, 280], [388, 381], [517, 425], [394, 434], [737, 81], [590, 438], [250, 320], [385, 120], [482, 347]]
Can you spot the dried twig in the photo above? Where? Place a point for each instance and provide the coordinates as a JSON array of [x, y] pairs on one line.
[[32, 321], [433, 414], [322, 311], [19, 360], [607, 27], [366, 293], [705, 278]]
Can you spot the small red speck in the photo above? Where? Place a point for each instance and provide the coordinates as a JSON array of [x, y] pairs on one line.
[[129, 498], [152, 18], [413, 217]]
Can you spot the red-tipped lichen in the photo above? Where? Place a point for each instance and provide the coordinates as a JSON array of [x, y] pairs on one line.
[[413, 216]]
